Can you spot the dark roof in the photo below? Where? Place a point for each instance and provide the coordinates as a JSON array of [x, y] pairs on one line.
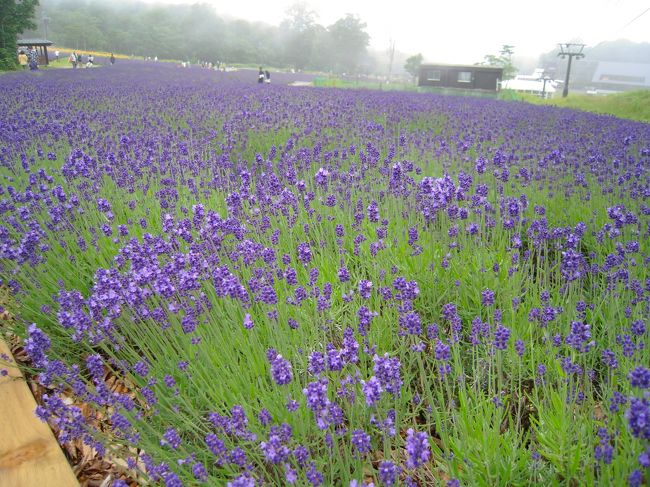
[[34, 42], [474, 67]]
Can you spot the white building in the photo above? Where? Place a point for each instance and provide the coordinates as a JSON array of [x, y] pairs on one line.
[[611, 77], [536, 84]]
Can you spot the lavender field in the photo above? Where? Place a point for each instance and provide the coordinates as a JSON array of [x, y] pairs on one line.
[[303, 286]]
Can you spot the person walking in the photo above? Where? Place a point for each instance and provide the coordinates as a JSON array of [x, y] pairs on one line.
[[72, 59], [32, 56], [56, 55], [112, 59], [260, 76], [22, 60], [267, 76]]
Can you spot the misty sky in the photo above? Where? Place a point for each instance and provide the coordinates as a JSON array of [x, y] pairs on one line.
[[458, 31]]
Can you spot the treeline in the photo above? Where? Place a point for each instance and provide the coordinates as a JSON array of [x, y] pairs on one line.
[[196, 32]]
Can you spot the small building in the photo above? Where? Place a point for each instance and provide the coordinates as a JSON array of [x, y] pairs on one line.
[[535, 84], [41, 47], [484, 78], [612, 77]]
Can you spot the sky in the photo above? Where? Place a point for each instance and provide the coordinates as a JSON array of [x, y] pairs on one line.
[[458, 31]]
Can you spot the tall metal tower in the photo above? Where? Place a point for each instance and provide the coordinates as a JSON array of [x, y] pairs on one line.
[[571, 51]]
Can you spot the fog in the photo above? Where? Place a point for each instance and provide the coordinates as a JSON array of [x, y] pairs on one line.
[[346, 36], [463, 32]]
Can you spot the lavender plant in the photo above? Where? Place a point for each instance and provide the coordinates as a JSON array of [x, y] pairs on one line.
[[324, 287]]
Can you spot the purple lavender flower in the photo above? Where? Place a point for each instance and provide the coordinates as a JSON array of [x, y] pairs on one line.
[[441, 351], [238, 457], [268, 295], [199, 472], [371, 390], [172, 480], [520, 347], [321, 177], [411, 323], [171, 438], [242, 481], [314, 477], [365, 318], [275, 451], [95, 365], [36, 345], [281, 370], [417, 448], [638, 418], [316, 394], [640, 377], [301, 454], [290, 475], [189, 323], [501, 337], [388, 473], [350, 351], [334, 359], [635, 479], [373, 212], [304, 253], [365, 288], [248, 322], [387, 371], [580, 337], [638, 328], [265, 417], [361, 441], [141, 368], [317, 363], [487, 297], [344, 275], [644, 458]]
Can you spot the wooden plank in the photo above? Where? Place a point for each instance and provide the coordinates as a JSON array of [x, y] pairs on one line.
[[30, 456]]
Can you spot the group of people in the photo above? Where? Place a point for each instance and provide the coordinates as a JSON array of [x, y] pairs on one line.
[[76, 59], [29, 58], [263, 76]]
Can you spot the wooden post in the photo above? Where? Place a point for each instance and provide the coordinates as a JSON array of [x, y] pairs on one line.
[[29, 454]]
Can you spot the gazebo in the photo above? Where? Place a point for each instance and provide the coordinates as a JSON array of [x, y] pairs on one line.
[[41, 48]]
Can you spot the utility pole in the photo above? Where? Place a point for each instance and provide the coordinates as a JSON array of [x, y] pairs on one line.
[[46, 21], [571, 51], [545, 79], [391, 56]]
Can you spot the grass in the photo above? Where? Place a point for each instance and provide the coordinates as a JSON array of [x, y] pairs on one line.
[[633, 105], [334, 82], [491, 418]]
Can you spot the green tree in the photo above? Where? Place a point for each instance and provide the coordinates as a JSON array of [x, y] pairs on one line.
[[299, 33], [15, 17], [503, 60], [349, 42], [412, 65]]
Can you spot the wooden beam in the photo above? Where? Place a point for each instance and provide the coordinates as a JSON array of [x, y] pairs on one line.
[[30, 456]]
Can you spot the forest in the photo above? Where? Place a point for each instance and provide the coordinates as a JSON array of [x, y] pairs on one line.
[[197, 32]]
